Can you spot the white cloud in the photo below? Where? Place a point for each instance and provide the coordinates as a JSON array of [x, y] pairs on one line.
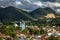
[[18, 3], [2, 6], [56, 4], [38, 3], [28, 1], [47, 4], [51, 4], [1, 0], [28, 4]]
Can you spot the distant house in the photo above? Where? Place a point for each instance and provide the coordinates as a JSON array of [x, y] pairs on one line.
[[22, 25]]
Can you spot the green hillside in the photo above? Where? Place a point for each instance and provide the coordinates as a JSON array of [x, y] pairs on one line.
[[13, 14], [41, 12]]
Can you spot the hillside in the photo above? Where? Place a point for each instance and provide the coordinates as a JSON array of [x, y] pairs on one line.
[[41, 12], [0, 7], [13, 14], [49, 10]]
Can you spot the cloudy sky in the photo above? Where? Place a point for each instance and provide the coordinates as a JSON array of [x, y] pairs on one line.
[[30, 5]]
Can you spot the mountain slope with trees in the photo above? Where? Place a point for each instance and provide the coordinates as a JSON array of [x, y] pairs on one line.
[[14, 14], [41, 12]]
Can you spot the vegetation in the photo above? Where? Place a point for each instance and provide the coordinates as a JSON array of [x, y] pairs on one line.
[[52, 38], [8, 39], [1, 38], [41, 12], [18, 28], [37, 32], [31, 31], [8, 30], [10, 13], [25, 31]]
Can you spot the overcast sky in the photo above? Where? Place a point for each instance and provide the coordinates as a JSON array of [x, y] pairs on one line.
[[30, 4]]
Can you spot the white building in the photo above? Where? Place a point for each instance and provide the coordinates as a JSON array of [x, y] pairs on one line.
[[22, 25]]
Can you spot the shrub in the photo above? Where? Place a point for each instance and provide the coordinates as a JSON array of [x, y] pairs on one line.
[[1, 38]]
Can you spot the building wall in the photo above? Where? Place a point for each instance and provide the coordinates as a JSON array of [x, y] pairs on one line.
[[22, 25]]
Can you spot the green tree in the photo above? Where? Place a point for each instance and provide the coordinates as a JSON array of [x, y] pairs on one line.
[[18, 28], [1, 38], [8, 30], [42, 31], [37, 32], [52, 38], [25, 31], [31, 31]]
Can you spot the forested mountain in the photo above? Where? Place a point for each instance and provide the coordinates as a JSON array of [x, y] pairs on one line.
[[41, 12], [14, 14]]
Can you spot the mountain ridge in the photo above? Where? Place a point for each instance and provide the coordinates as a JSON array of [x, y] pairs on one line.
[[14, 14], [41, 12]]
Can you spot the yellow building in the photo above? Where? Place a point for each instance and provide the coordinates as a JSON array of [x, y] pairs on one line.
[[50, 15]]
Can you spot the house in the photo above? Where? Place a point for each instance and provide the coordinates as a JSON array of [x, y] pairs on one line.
[[22, 24]]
